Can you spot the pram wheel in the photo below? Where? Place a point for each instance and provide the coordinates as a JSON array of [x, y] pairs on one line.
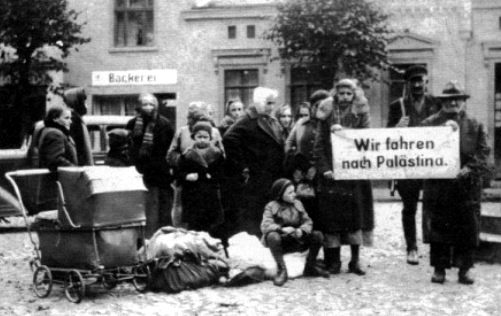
[[74, 287], [141, 280], [42, 281]]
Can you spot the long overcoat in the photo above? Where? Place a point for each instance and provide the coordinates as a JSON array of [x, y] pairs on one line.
[[451, 207], [344, 205], [250, 143], [56, 147], [201, 199]]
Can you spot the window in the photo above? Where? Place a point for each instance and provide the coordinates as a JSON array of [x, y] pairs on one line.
[[251, 31], [232, 32], [240, 83], [134, 23], [499, 23], [304, 81], [497, 114]]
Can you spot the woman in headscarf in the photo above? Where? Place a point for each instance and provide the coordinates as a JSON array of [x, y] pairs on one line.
[[233, 110]]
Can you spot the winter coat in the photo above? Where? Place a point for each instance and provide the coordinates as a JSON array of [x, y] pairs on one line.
[[56, 148], [250, 143], [430, 106], [451, 207], [154, 168], [201, 199], [344, 205], [280, 214], [182, 141], [302, 137], [225, 124]]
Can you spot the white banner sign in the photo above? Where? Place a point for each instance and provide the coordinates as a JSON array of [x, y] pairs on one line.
[[134, 77], [396, 153]]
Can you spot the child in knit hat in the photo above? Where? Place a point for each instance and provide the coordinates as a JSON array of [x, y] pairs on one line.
[[286, 227], [200, 174]]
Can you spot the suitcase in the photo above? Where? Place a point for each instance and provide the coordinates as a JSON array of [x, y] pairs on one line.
[[101, 196], [91, 248]]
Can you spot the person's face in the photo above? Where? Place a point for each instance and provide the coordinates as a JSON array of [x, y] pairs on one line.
[[64, 119], [148, 105], [417, 85], [236, 110], [304, 113], [453, 105], [289, 195], [267, 107], [202, 139], [324, 110], [345, 96], [286, 118]]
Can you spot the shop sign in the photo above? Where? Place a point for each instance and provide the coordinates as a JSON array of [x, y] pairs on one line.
[[396, 153], [134, 77]]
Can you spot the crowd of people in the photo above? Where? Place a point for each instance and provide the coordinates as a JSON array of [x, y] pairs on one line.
[[268, 171]]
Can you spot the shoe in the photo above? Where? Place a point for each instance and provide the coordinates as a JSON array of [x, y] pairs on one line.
[[412, 257], [354, 267], [314, 271], [465, 278], [334, 268], [438, 276], [281, 277]]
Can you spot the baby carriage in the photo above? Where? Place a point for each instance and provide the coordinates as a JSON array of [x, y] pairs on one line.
[[95, 234]]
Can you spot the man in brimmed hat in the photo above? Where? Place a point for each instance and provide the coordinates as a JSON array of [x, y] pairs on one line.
[[451, 207], [409, 111]]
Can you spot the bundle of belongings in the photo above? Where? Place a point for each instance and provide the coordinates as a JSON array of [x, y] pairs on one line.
[[184, 260]]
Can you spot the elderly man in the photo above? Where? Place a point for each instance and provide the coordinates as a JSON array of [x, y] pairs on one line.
[[410, 111], [151, 135], [452, 206], [255, 153]]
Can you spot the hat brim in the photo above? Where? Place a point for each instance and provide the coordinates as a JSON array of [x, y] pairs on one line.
[[453, 96]]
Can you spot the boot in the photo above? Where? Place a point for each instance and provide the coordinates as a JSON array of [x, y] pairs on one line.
[[354, 265], [333, 260], [311, 268], [281, 276], [438, 276], [275, 244], [464, 277]]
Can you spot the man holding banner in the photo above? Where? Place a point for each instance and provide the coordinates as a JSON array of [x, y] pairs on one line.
[[346, 210], [410, 111], [451, 207]]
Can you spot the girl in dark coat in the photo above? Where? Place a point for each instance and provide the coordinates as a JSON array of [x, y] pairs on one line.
[[200, 173], [346, 211], [451, 207], [56, 148]]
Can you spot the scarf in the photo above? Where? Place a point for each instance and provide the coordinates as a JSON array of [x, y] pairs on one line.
[[147, 135]]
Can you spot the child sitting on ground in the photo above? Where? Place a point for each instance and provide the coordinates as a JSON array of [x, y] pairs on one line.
[[200, 173], [286, 228]]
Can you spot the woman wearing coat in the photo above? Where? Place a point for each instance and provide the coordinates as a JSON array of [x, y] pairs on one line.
[[451, 207], [55, 146], [346, 211]]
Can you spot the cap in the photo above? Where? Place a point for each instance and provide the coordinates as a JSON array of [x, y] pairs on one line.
[[415, 71]]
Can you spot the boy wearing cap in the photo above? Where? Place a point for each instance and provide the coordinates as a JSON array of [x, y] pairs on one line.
[[409, 111], [451, 207]]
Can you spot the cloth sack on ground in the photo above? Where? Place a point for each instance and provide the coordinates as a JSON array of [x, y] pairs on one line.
[[245, 249]]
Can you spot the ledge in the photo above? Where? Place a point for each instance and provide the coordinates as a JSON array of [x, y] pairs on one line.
[[120, 50]]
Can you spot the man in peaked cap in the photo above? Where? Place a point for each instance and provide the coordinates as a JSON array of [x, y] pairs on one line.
[[409, 111]]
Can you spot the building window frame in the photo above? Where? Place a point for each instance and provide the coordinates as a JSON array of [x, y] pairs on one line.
[[136, 16], [251, 31], [232, 31], [244, 89]]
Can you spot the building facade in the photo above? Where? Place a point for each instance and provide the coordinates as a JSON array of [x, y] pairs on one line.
[[185, 51]]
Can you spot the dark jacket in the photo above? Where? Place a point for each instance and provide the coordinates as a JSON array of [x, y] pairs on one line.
[[430, 106], [451, 207], [250, 143], [56, 148], [201, 199], [155, 170], [344, 205]]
